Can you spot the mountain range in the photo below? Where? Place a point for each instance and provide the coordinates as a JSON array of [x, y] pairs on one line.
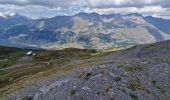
[[83, 30]]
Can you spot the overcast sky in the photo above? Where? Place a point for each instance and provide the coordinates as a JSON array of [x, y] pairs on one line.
[[49, 8]]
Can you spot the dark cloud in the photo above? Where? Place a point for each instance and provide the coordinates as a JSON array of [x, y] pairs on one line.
[[128, 3], [46, 3], [90, 3]]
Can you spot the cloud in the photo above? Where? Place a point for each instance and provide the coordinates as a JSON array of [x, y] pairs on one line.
[[127, 3], [89, 3], [49, 3], [70, 7], [146, 10]]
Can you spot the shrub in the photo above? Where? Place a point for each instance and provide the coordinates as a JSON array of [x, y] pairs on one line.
[[117, 79], [131, 68], [108, 87], [93, 51], [112, 98], [158, 86], [133, 96], [72, 93], [87, 76], [153, 82], [136, 84], [121, 66], [134, 68]]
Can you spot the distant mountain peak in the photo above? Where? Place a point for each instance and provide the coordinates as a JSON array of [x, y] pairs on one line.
[[86, 14], [134, 14]]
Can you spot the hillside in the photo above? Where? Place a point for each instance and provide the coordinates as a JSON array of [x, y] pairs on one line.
[[9, 55], [147, 50], [16, 63], [140, 72], [83, 30]]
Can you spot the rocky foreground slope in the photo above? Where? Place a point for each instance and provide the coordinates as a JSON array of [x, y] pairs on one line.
[[139, 73]]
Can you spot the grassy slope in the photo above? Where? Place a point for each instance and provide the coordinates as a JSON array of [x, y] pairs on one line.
[[14, 64], [8, 55]]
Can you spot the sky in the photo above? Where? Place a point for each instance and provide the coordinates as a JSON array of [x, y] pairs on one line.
[[50, 8]]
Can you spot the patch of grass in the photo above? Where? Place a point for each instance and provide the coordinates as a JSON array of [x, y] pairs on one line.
[[136, 84], [134, 68], [117, 79], [158, 86], [12, 59], [107, 88], [153, 82], [9, 77], [131, 68], [117, 49], [72, 92], [121, 66], [161, 88], [2, 72], [133, 96], [78, 76], [93, 51], [62, 61], [111, 98], [9, 55], [4, 82]]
